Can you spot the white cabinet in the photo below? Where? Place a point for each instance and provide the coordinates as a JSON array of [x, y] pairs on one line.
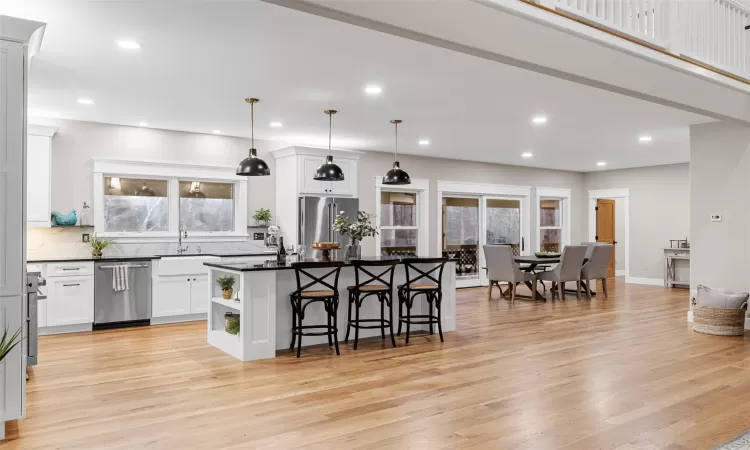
[[181, 286], [38, 184], [70, 300], [171, 296], [41, 312], [308, 185], [199, 297]]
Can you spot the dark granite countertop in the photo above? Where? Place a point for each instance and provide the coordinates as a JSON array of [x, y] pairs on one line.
[[270, 264], [115, 258]]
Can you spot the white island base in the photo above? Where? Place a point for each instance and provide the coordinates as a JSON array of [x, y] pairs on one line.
[[266, 311]]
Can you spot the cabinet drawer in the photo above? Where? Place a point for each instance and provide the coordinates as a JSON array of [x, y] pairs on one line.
[[70, 269]]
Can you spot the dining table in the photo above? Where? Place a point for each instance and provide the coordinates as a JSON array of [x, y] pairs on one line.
[[531, 264]]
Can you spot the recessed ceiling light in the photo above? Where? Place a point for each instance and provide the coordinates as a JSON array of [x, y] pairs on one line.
[[645, 139], [128, 44], [143, 124], [539, 120], [601, 164], [216, 131], [85, 101], [424, 142], [276, 124], [526, 155], [373, 90]]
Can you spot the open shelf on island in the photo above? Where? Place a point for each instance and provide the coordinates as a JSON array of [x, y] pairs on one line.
[[228, 303]]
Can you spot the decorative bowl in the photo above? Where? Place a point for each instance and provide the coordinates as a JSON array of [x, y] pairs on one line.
[[326, 245], [547, 255], [61, 219]]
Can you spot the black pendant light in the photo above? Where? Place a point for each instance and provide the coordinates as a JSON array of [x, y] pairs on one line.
[[252, 166], [396, 175], [329, 171]]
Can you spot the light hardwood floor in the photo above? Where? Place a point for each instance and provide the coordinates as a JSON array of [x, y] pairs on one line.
[[622, 373]]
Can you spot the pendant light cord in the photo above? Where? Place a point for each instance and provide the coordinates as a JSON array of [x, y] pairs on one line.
[[395, 156], [252, 126], [330, 125]]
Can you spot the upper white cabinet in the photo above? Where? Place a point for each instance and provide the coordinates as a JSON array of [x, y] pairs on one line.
[[38, 179]]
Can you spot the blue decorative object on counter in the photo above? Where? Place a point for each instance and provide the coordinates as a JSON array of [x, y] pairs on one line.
[[64, 220]]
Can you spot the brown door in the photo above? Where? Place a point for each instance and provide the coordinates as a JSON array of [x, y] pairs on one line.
[[605, 228]]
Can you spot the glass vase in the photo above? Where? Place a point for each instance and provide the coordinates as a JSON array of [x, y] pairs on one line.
[[353, 250]]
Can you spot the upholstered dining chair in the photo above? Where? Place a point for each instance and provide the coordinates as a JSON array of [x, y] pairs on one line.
[[502, 268], [568, 270], [596, 266]]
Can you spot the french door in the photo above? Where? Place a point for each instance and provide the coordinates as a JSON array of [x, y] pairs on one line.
[[469, 222]]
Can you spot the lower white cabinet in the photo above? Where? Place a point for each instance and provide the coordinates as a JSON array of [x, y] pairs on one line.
[[70, 300], [199, 301], [177, 295], [41, 313]]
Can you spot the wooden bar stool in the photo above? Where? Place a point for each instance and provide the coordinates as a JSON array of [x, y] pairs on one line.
[[368, 285], [423, 283], [326, 293]]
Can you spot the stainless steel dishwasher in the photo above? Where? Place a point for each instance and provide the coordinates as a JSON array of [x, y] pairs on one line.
[[131, 307]]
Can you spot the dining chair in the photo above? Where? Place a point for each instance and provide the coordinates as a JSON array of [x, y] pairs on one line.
[[596, 267], [568, 270], [502, 268]]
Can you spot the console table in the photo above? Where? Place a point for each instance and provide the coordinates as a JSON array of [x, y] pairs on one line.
[[671, 256]]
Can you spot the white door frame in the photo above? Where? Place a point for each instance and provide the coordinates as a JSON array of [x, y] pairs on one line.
[[422, 189], [616, 194], [483, 191]]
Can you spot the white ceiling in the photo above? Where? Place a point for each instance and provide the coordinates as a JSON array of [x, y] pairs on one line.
[[200, 59]]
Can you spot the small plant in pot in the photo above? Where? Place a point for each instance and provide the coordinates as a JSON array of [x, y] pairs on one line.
[[262, 216], [232, 323], [97, 245], [226, 283]]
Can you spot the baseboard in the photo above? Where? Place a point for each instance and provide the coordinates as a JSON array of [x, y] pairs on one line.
[[648, 281], [64, 329], [621, 273], [178, 319]]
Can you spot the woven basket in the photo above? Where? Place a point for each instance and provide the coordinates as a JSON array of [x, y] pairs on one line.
[[719, 321]]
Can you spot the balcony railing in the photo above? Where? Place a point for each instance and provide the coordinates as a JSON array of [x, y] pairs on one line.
[[711, 32]]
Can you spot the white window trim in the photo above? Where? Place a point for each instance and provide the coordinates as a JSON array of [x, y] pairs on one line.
[[420, 187], [564, 195], [172, 172]]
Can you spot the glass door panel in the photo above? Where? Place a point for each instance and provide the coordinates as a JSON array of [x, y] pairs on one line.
[[504, 223], [461, 237]]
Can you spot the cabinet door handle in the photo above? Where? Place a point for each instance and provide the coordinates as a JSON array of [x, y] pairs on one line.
[[194, 279], [74, 284], [71, 268]]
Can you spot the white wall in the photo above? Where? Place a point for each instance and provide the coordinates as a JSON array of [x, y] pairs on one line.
[[659, 211], [76, 143], [720, 184], [620, 234]]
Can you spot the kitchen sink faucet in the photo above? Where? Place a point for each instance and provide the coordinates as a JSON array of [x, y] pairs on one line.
[[182, 234]]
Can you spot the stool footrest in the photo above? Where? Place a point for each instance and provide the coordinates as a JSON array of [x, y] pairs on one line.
[[382, 323], [428, 319], [300, 330]]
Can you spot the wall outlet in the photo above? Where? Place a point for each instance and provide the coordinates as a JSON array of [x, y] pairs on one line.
[[258, 236], [715, 217], [85, 237]]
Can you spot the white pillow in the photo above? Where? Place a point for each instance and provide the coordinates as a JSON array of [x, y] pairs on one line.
[[720, 298]]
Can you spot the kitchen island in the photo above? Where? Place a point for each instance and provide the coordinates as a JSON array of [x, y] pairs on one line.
[[261, 298]]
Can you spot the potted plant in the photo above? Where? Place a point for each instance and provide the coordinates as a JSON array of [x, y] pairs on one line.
[[8, 343], [226, 283], [356, 231], [262, 216], [232, 323], [97, 245]]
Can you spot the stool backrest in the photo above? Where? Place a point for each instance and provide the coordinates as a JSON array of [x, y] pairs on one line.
[[425, 276], [307, 280], [374, 272]]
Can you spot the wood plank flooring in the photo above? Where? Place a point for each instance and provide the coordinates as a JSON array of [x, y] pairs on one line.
[[620, 373]]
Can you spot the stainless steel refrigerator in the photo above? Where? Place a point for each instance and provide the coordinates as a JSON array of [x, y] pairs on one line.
[[316, 217]]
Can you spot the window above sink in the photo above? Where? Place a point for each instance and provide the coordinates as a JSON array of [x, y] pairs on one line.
[[148, 201]]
